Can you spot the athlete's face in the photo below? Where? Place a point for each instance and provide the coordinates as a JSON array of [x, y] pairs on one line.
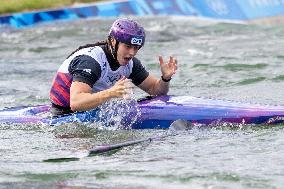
[[125, 53]]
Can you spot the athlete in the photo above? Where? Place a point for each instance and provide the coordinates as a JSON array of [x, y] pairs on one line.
[[95, 73]]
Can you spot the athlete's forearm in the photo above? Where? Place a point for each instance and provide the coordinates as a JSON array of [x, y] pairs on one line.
[[161, 87], [88, 101]]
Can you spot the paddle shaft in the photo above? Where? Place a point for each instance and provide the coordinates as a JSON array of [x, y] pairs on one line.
[[106, 148]]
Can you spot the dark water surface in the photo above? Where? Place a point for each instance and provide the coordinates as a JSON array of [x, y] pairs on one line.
[[217, 60]]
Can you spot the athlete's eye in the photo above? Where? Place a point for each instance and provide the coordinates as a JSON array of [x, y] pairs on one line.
[[136, 47]]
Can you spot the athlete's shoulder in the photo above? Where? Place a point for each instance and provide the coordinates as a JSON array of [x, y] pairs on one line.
[[83, 59], [137, 65], [94, 51], [84, 62]]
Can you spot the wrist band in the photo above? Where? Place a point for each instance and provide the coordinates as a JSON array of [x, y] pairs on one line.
[[165, 80]]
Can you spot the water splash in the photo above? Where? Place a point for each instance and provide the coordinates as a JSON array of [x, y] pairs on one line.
[[118, 113]]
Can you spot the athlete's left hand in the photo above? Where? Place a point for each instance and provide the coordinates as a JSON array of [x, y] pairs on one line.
[[168, 69]]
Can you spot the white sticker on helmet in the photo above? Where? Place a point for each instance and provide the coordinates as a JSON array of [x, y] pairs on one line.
[[136, 41]]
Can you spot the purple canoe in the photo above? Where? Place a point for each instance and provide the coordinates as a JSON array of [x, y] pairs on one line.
[[160, 112]]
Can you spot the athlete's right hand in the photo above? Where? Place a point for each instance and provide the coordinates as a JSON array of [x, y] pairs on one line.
[[121, 88]]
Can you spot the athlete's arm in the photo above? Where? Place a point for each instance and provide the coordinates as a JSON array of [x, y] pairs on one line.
[[154, 86], [82, 98], [86, 71]]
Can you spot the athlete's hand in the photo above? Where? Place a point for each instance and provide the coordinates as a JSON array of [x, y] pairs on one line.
[[121, 88], [168, 69]]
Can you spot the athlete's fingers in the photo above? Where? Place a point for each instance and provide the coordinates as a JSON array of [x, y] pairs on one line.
[[175, 64], [161, 60], [122, 78], [171, 60], [128, 84]]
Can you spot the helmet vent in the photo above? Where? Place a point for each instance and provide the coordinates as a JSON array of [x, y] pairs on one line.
[[120, 26]]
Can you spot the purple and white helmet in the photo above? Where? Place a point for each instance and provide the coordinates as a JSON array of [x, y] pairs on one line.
[[128, 31]]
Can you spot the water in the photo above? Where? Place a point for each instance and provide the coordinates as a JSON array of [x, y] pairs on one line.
[[217, 60]]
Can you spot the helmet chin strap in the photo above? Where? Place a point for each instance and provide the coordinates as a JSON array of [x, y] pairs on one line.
[[114, 49]]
